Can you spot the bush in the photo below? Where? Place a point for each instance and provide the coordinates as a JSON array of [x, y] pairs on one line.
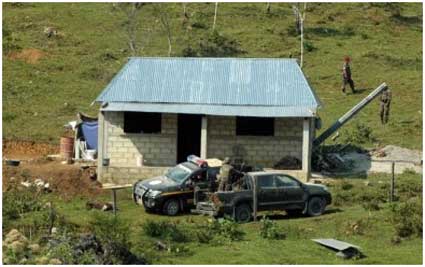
[[219, 231], [371, 205], [214, 45], [9, 40], [166, 230], [17, 202], [114, 236], [407, 218], [269, 230], [309, 47], [361, 134]]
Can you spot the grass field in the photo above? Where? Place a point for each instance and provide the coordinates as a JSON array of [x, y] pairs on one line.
[[373, 234], [46, 81]]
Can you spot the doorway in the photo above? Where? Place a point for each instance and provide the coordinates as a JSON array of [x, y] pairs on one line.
[[188, 136]]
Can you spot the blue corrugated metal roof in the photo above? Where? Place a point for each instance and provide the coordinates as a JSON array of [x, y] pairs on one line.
[[212, 81], [219, 110]]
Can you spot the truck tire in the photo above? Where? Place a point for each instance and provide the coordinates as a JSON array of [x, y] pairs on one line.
[[243, 213], [171, 207], [316, 206]]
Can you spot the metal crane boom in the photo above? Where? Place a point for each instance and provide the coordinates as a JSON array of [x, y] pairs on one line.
[[347, 116]]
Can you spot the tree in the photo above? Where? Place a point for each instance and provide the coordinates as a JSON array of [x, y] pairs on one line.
[[131, 11], [164, 19], [215, 15], [185, 18], [268, 8], [299, 25]]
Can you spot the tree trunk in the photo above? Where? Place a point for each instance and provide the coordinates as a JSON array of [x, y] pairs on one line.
[[302, 18], [215, 15]]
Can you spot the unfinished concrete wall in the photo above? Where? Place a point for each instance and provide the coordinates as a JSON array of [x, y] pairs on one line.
[[261, 150], [123, 149]]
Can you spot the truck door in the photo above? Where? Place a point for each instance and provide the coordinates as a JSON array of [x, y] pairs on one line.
[[267, 192], [289, 190]]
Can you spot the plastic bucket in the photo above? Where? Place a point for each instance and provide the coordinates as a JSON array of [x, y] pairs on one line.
[[66, 147], [90, 154]]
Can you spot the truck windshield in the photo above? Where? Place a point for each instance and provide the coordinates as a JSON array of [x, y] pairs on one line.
[[178, 173]]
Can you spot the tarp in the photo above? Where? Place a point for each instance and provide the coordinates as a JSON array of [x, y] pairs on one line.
[[89, 130]]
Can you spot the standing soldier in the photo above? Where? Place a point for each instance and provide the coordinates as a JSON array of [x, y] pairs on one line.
[[223, 176], [385, 105], [346, 75]]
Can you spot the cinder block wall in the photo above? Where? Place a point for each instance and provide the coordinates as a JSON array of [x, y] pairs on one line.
[[124, 148], [261, 150], [158, 150]]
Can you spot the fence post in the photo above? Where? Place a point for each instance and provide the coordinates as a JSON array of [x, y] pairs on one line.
[[254, 197], [392, 181]]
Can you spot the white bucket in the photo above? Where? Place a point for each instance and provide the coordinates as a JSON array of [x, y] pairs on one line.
[[90, 154]]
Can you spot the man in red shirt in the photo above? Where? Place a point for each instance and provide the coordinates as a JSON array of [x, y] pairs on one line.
[[346, 75]]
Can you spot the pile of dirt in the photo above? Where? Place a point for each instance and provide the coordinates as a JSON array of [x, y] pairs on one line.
[[13, 149], [396, 153], [67, 181], [29, 55]]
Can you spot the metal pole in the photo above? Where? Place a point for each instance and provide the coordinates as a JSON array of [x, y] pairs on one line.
[[347, 116], [392, 182], [114, 199], [254, 198]]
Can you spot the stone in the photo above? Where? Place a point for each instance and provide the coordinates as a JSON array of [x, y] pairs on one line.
[[55, 262], [17, 247], [35, 248], [42, 260]]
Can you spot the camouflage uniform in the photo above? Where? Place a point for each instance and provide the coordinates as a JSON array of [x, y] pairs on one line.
[[346, 77], [223, 177], [385, 106]]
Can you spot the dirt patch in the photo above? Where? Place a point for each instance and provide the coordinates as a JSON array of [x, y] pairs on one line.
[[29, 55], [68, 181], [27, 149]]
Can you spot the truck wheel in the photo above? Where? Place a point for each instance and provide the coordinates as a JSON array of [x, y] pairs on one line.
[[243, 213], [316, 206], [171, 207]]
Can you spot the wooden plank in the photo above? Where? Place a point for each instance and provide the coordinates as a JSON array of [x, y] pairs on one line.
[[107, 186]]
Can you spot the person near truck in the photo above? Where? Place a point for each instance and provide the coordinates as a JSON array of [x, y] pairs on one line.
[[346, 75], [223, 176], [385, 102]]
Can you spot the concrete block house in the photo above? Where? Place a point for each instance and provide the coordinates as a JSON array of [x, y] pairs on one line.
[[157, 111]]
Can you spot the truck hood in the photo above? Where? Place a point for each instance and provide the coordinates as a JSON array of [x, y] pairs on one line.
[[316, 187], [160, 183]]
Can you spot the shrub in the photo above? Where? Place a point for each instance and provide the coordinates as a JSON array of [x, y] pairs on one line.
[[165, 230], [360, 135], [269, 230], [219, 231], [407, 218], [214, 45], [114, 236], [17, 202], [309, 47], [371, 205]]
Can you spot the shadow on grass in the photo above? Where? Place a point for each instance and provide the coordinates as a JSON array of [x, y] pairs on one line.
[[284, 216], [361, 90]]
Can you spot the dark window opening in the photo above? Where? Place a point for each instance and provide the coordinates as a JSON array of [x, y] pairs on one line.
[[254, 126], [142, 122]]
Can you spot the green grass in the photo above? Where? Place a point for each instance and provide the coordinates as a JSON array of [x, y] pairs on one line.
[[297, 248], [75, 69]]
